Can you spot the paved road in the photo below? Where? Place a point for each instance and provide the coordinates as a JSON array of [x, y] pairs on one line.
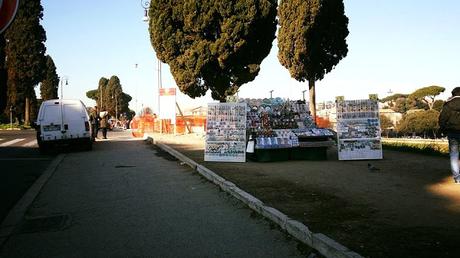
[[21, 164], [126, 198]]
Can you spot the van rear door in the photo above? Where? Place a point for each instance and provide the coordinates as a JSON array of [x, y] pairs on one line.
[[51, 118], [74, 120]]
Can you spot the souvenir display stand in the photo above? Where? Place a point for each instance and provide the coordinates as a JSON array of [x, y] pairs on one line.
[[226, 132], [358, 129], [284, 130]]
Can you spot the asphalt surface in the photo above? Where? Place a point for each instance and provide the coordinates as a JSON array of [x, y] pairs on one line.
[[21, 164], [127, 198]]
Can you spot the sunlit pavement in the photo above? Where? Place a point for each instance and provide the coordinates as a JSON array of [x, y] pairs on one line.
[[126, 198]]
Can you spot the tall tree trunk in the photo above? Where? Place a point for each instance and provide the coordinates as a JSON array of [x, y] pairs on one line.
[[27, 112], [430, 104], [3, 80], [312, 104]]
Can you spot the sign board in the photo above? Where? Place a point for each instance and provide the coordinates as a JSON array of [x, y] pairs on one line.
[[168, 104], [358, 129], [8, 9], [226, 132]]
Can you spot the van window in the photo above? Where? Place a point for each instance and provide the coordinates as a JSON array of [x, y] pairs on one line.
[[73, 110], [52, 114]]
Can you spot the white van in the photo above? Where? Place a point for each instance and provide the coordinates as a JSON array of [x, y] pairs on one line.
[[63, 122]]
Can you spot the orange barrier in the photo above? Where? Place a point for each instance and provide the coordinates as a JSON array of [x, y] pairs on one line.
[[141, 125], [322, 122], [148, 123]]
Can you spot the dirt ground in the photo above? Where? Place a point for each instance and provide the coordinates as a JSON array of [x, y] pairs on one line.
[[410, 207]]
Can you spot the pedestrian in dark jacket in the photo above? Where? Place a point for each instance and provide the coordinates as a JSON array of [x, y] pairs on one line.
[[449, 124], [94, 119], [104, 124]]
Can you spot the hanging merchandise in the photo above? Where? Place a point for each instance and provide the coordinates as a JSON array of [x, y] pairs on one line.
[[226, 132], [284, 129], [358, 129]]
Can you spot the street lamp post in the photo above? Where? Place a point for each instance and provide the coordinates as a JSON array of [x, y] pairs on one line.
[[11, 116], [145, 4], [116, 105], [271, 92], [303, 95], [64, 78], [100, 97], [116, 108]]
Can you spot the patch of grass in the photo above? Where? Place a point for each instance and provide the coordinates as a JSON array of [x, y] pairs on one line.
[[435, 149], [16, 126]]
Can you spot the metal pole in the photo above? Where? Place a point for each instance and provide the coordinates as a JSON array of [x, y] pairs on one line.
[[159, 87], [11, 117], [100, 96]]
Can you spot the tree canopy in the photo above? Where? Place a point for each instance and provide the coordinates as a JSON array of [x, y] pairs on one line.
[[423, 122], [110, 91], [394, 97], [92, 94], [311, 39], [386, 125], [102, 96], [50, 84], [25, 54], [212, 45], [114, 94], [438, 104], [427, 94]]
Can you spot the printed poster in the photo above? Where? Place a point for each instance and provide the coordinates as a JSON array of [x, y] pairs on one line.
[[358, 130], [168, 104], [226, 132]]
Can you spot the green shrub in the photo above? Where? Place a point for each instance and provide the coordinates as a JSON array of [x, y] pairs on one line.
[[16, 126], [436, 149]]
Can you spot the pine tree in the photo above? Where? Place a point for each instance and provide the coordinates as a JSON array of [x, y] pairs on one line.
[[49, 86], [102, 95], [25, 52], [212, 45], [3, 80], [427, 94], [311, 39], [114, 97], [114, 91]]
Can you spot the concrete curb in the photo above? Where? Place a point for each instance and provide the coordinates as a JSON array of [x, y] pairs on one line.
[[191, 163], [325, 245], [18, 212]]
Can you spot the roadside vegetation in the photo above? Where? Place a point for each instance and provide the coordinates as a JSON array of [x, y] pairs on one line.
[[420, 112], [15, 126], [430, 147]]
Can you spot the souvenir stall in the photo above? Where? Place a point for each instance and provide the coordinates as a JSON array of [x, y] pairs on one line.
[[358, 129], [226, 132], [282, 130]]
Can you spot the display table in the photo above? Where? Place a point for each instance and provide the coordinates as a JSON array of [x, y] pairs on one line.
[[312, 148], [306, 151], [269, 155], [311, 153]]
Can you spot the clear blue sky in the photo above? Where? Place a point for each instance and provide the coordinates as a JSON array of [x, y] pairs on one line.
[[397, 45]]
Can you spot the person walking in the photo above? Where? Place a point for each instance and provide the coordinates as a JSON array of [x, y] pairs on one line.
[[104, 124], [94, 119], [449, 124]]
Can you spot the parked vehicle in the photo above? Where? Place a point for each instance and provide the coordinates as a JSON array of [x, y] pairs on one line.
[[63, 122]]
